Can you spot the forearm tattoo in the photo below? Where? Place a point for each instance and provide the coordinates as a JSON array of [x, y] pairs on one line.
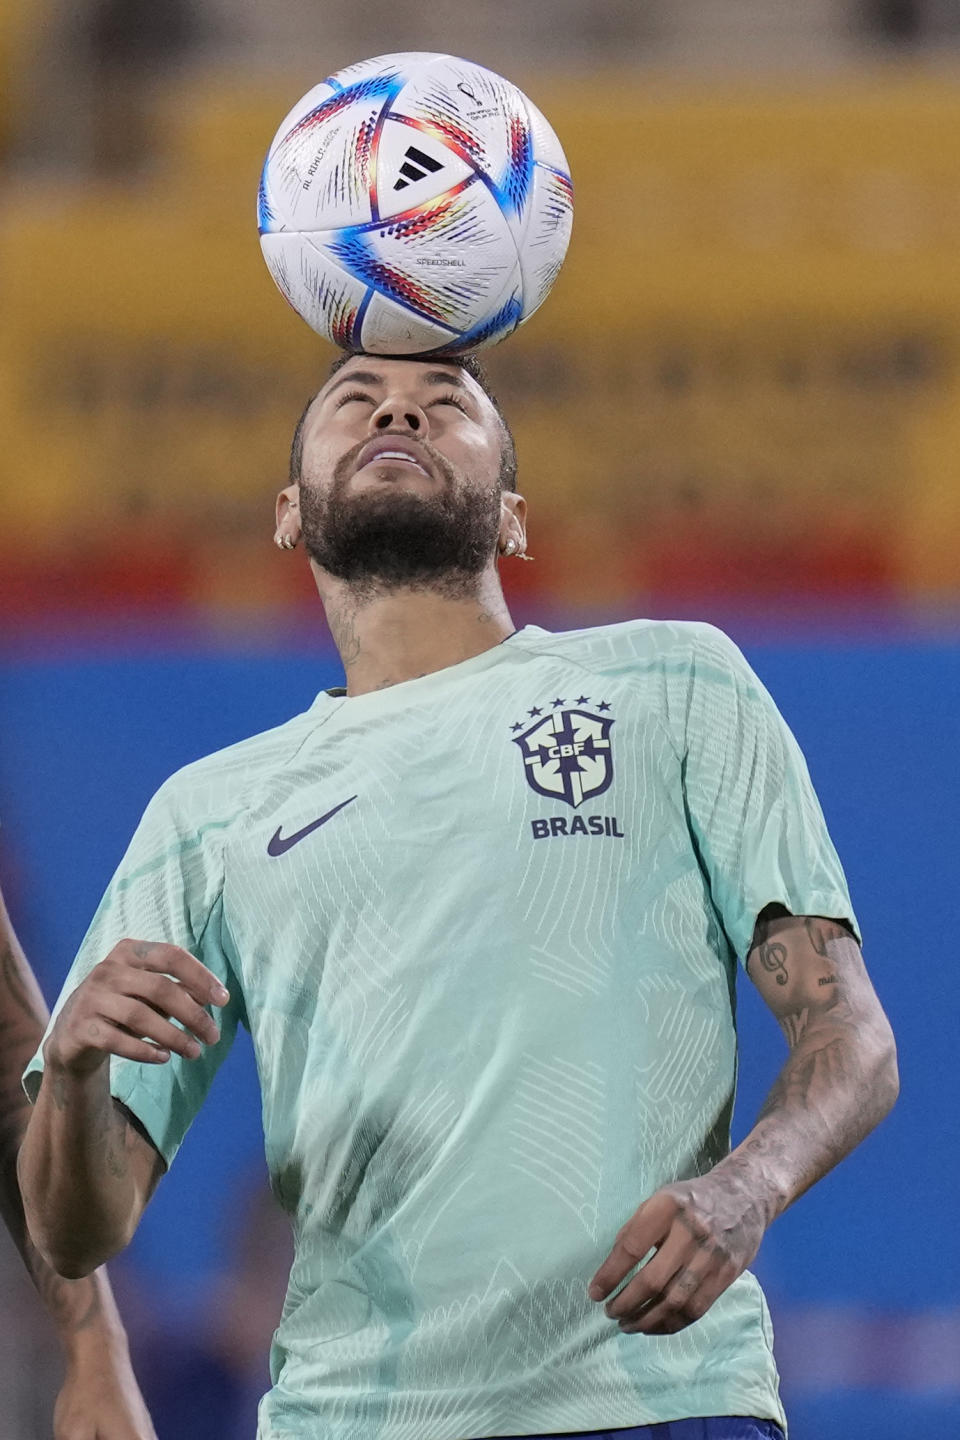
[[840, 1077]]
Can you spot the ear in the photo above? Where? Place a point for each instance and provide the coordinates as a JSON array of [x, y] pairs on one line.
[[513, 522], [288, 517]]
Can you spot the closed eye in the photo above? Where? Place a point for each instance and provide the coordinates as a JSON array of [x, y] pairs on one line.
[[450, 400], [354, 395]]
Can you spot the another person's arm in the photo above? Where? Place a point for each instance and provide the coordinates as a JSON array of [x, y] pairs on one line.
[[99, 1396]]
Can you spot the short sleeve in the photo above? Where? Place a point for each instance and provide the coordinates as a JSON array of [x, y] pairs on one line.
[[752, 809], [168, 888]]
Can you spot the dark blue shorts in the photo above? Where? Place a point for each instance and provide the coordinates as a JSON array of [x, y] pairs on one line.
[[714, 1427]]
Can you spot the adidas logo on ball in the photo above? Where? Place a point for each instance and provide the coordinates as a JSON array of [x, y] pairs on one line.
[[416, 166]]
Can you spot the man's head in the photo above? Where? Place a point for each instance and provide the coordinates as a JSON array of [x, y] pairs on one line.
[[404, 472]]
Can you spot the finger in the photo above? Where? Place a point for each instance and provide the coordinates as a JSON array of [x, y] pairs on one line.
[[647, 1228], [202, 984], [687, 1300], [171, 999], [128, 1047], [651, 1281], [143, 1023], [112, 1040]]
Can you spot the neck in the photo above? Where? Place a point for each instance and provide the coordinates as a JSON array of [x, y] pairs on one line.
[[386, 638]]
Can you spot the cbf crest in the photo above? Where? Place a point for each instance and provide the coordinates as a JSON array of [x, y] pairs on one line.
[[567, 755]]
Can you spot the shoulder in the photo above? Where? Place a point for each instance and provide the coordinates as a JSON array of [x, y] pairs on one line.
[[216, 790], [641, 645]]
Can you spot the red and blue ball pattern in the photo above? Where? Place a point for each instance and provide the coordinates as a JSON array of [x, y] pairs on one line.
[[415, 204]]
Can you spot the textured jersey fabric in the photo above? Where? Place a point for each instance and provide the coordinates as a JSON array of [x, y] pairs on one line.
[[491, 1002], [711, 1427]]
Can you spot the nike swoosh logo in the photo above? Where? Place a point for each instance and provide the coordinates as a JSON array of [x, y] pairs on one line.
[[280, 844]]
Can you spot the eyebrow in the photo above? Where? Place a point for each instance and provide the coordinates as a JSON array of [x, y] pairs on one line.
[[370, 377]]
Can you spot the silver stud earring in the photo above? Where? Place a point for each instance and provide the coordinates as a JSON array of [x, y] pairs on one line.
[[510, 548]]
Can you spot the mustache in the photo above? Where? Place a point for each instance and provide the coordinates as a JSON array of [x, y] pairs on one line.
[[345, 466]]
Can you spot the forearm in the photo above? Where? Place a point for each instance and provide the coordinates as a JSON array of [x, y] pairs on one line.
[[840, 1079], [836, 1086], [79, 1191]]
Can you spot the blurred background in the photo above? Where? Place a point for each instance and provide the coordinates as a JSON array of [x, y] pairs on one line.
[[741, 404]]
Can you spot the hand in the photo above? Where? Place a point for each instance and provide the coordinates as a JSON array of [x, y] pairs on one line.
[[125, 1006], [705, 1233], [100, 1400]]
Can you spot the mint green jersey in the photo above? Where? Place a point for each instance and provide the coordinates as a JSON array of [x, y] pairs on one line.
[[483, 929]]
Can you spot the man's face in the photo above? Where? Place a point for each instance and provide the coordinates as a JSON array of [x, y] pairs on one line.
[[401, 475]]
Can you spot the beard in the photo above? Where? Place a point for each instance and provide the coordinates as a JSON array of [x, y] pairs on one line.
[[390, 538]]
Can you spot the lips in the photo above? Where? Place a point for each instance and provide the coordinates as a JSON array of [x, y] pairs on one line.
[[394, 448]]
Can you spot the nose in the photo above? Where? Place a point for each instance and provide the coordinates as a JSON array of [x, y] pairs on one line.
[[401, 415]]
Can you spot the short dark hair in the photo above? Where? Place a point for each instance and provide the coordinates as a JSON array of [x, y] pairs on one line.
[[468, 363]]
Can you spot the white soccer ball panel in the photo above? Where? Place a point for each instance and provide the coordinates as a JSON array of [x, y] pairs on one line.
[[401, 62], [304, 105], [413, 167], [320, 171], [547, 235], [327, 297], [368, 73], [496, 324], [448, 262], [481, 116], [271, 214], [547, 149], [391, 329]]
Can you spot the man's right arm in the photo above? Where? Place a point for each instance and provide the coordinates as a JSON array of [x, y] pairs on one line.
[[85, 1170], [89, 1169]]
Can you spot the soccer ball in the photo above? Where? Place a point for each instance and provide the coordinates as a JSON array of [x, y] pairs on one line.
[[415, 204]]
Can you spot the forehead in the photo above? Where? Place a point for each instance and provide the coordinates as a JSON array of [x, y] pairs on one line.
[[383, 375]]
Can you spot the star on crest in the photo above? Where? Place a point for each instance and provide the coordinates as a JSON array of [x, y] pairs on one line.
[[603, 705], [558, 702], [518, 726], [582, 699], [535, 711]]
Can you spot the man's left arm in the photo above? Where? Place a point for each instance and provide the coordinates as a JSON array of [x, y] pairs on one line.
[[839, 1081]]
